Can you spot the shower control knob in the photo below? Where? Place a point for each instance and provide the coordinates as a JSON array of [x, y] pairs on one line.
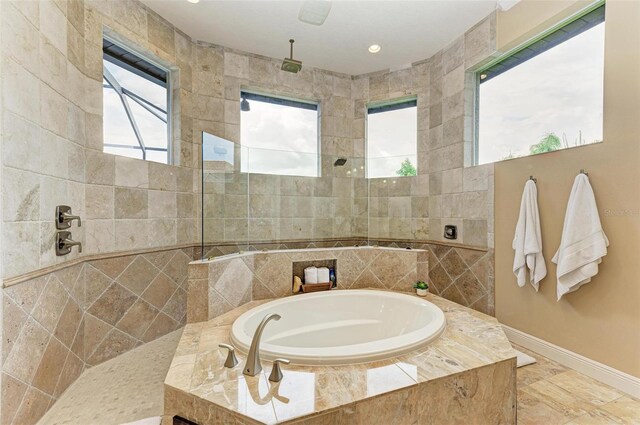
[[64, 217], [276, 372]]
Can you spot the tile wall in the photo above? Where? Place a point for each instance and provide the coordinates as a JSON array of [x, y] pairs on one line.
[[59, 324], [52, 135], [259, 207], [51, 140], [446, 190], [458, 273], [218, 286]]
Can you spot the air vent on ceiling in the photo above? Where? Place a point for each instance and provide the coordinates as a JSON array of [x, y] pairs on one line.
[[314, 12]]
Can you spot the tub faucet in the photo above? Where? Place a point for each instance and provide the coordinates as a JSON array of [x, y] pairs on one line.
[[252, 367]]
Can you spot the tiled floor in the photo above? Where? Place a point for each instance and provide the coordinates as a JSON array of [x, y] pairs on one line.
[[549, 393], [129, 388]]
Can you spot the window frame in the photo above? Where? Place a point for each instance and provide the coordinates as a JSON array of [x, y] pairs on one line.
[[387, 106], [289, 101], [149, 59], [536, 43]]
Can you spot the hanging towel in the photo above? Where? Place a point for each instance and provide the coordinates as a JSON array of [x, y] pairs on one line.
[[527, 241], [583, 242]]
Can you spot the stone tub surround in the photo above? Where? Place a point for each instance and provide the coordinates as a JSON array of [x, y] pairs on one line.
[[59, 324], [219, 285], [27, 330], [455, 272], [115, 386], [468, 374]]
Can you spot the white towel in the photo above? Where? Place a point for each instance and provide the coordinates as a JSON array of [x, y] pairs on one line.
[[583, 242], [527, 241], [323, 274], [311, 275]]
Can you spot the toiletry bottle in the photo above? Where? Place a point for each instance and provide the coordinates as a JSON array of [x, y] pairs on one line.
[[332, 277]]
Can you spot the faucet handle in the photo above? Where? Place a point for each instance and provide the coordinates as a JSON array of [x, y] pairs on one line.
[[64, 243], [232, 360], [64, 217], [276, 372]]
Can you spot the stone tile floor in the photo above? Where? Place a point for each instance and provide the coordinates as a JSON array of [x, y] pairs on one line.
[[128, 390], [549, 393]]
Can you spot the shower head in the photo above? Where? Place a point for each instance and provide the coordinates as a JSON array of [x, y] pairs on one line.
[[244, 105], [340, 162], [290, 64]]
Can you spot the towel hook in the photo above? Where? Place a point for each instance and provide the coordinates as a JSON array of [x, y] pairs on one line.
[[583, 172], [534, 179]]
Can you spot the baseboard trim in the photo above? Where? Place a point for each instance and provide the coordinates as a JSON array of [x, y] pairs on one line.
[[596, 370]]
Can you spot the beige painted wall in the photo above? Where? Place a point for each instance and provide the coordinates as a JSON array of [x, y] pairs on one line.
[[602, 320], [529, 18]]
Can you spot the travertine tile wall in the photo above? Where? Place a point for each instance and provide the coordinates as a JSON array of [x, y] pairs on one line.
[[51, 136], [220, 285], [52, 139], [463, 275], [57, 325], [460, 274], [51, 109], [132, 204], [399, 208], [342, 202], [259, 207], [446, 190]]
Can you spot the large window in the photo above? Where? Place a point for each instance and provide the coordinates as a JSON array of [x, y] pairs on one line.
[[545, 97], [278, 136], [392, 131], [135, 98]]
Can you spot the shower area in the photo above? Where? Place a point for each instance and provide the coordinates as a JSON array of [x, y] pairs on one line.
[[245, 209]]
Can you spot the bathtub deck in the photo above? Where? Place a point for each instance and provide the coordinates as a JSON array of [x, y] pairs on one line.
[[93, 398], [469, 370]]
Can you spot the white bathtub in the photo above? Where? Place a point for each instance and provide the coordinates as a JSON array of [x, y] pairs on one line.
[[340, 327]]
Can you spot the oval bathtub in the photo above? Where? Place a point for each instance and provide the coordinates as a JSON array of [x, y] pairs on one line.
[[340, 327]]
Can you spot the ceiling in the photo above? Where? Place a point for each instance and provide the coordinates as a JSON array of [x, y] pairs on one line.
[[408, 31]]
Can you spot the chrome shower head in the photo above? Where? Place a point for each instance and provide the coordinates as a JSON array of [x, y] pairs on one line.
[[290, 64]]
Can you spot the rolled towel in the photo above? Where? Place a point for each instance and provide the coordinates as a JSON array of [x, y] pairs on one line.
[[311, 275], [323, 275]]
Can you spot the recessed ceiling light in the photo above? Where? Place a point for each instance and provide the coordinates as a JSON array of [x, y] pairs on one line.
[[374, 48], [193, 1]]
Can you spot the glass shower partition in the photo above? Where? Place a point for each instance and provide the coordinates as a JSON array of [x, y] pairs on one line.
[[224, 200], [255, 199]]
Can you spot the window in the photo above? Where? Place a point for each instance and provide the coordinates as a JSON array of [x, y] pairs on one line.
[[545, 97], [135, 100], [278, 136], [392, 132]]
